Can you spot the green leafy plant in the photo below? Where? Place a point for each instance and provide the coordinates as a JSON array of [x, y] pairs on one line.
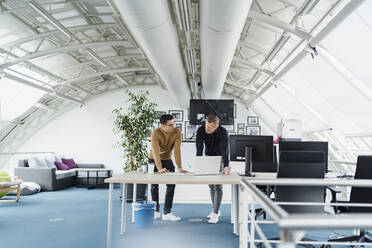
[[134, 127]]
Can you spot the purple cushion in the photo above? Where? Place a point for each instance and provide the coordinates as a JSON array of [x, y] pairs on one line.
[[61, 166], [69, 162]]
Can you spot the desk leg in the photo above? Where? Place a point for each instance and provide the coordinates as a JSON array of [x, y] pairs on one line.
[[134, 199], [149, 192], [232, 205], [109, 218], [123, 219], [253, 220], [236, 209], [243, 238]]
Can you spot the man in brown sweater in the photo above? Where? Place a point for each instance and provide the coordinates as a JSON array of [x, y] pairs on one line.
[[163, 140]]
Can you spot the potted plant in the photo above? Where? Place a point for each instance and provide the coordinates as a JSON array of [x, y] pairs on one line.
[[134, 125]]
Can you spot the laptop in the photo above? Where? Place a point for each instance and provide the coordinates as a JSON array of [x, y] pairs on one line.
[[207, 165]]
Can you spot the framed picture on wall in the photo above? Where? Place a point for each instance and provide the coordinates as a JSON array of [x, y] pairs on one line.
[[178, 125], [158, 114], [252, 120], [231, 133], [177, 115], [190, 131], [240, 126], [229, 127], [253, 130], [240, 132]]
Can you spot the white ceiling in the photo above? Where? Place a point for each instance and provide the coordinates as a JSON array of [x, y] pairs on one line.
[[55, 55]]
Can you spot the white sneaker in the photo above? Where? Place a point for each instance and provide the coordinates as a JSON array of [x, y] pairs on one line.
[[212, 213], [157, 215], [170, 217], [214, 218]]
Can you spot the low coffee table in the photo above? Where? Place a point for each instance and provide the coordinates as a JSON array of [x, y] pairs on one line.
[[15, 184], [92, 177]]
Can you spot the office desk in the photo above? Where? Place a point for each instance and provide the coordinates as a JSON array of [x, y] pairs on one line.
[[307, 225], [167, 178], [311, 182]]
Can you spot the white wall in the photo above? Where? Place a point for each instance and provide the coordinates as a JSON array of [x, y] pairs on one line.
[[85, 134]]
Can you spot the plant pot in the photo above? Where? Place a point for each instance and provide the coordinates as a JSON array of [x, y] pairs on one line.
[[141, 192]]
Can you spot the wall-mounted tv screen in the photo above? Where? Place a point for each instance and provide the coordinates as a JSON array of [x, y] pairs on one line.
[[200, 108]]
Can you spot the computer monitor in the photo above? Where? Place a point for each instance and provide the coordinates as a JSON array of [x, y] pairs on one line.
[[251, 149], [316, 146], [201, 108]]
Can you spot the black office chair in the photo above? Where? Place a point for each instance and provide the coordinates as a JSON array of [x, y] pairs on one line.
[[359, 195], [267, 189], [301, 164]]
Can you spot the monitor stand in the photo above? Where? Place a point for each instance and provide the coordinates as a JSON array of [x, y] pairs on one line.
[[248, 162]]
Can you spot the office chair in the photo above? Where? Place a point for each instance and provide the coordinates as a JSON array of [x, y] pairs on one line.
[[301, 164], [358, 195], [267, 189]]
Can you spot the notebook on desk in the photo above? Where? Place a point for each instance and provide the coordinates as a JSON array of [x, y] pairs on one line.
[[207, 165]]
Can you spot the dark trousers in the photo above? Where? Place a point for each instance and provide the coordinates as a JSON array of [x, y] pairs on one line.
[[168, 164]]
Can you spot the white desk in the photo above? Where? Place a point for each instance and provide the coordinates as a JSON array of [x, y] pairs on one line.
[[244, 211], [168, 178]]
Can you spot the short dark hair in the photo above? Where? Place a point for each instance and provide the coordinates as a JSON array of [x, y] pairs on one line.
[[213, 119], [165, 118]]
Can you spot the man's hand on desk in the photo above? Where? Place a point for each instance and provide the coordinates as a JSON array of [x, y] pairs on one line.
[[180, 170], [226, 171], [164, 170]]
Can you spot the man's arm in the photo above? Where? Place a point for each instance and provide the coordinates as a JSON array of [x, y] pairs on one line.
[[199, 142], [177, 150], [224, 146], [156, 150]]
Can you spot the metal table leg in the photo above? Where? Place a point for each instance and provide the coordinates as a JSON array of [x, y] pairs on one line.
[[232, 205], [134, 200], [243, 238], [236, 209], [109, 218], [253, 220], [123, 219]]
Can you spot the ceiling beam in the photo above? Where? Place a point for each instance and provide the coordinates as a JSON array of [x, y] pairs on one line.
[[128, 56], [252, 65], [33, 66], [348, 9], [272, 21], [252, 46], [64, 49], [97, 74], [42, 88], [56, 32]]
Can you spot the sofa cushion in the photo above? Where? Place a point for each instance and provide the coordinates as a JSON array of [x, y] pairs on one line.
[[69, 162], [61, 166], [34, 162], [65, 173], [50, 161], [27, 188], [58, 158]]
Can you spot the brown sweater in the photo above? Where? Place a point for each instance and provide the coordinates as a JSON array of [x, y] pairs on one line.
[[162, 144]]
